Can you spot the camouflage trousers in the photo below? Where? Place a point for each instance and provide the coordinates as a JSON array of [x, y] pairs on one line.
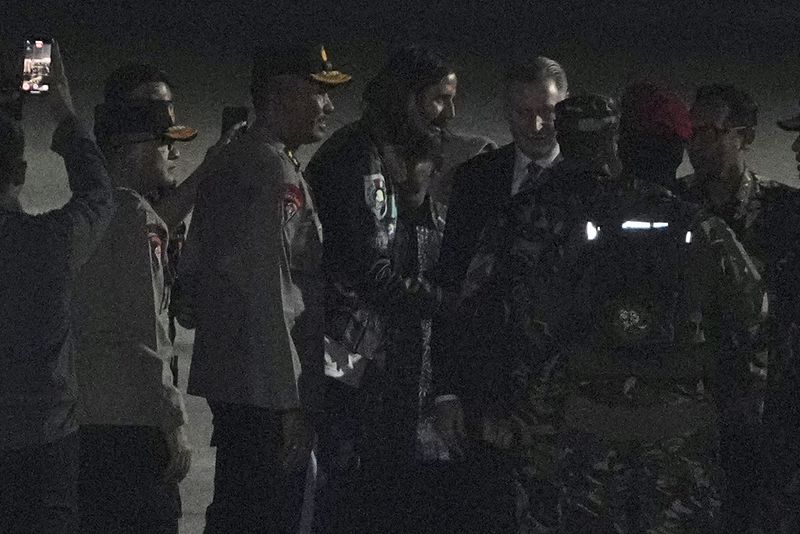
[[670, 486]]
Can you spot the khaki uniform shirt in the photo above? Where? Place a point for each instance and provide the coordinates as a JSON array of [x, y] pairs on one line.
[[254, 236], [122, 300]]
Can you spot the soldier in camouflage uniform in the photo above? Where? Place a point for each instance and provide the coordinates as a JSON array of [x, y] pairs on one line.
[[765, 215], [615, 322]]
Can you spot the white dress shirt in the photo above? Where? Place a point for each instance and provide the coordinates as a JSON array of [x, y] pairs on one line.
[[521, 162]]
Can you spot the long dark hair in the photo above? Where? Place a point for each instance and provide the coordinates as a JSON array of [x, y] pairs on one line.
[[409, 70]]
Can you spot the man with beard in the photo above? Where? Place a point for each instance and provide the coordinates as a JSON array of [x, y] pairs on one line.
[[610, 323], [134, 444], [765, 216], [251, 286], [382, 235]]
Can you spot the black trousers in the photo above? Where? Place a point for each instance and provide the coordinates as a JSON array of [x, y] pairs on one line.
[[253, 493], [372, 481], [38, 488], [120, 487], [474, 496]]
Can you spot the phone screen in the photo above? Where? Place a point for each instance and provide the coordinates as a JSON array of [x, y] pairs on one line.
[[36, 66]]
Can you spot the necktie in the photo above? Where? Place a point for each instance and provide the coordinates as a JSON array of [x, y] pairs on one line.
[[531, 178]]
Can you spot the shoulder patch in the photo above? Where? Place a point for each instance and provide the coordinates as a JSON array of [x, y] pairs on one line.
[[157, 238], [375, 195], [293, 201]]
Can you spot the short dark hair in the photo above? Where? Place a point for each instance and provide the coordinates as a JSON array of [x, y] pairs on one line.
[[12, 144], [537, 69], [123, 81], [408, 71], [742, 109]]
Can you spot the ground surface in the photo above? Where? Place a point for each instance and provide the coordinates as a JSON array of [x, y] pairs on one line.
[[197, 488]]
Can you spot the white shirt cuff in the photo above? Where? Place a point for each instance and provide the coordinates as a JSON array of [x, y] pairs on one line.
[[445, 398]]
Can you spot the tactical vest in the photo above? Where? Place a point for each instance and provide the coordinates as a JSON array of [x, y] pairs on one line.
[[633, 350], [632, 309]]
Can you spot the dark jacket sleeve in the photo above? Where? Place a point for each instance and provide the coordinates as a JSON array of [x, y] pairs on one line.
[[737, 309], [357, 250], [83, 220], [459, 243]]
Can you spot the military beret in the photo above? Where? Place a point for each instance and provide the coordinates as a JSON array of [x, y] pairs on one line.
[[653, 111]]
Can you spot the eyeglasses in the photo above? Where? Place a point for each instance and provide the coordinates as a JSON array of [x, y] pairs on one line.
[[707, 129]]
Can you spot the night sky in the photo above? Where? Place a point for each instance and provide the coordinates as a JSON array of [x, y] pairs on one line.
[[603, 45]]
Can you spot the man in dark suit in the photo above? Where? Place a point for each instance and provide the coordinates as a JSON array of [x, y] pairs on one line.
[[485, 481], [533, 87]]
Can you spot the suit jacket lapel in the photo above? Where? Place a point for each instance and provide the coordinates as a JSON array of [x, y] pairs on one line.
[[505, 165]]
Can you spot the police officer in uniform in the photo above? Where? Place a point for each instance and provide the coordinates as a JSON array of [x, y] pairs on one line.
[[615, 321], [250, 279], [135, 448]]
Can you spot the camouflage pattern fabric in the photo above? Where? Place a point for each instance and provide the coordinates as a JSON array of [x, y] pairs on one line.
[[621, 411], [765, 216]]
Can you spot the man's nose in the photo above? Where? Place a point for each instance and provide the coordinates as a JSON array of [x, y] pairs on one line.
[[449, 111], [327, 105], [538, 124], [174, 153]]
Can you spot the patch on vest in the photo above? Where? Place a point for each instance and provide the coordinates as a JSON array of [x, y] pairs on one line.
[[375, 195], [293, 201]]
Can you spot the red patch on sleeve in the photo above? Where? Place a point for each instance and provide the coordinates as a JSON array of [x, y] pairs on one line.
[[293, 200]]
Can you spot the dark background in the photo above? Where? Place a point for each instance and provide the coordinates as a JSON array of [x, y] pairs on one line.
[[604, 45]]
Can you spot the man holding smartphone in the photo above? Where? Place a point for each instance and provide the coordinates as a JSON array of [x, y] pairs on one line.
[[39, 257]]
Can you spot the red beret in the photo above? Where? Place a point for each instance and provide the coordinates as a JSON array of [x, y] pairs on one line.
[[653, 111]]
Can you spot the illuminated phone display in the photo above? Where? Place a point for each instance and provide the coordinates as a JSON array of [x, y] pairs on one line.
[[36, 66]]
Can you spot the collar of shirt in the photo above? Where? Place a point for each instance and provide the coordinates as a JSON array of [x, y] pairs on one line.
[[263, 135], [521, 162]]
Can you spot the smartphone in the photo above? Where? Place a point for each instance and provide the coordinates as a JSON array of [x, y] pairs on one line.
[[36, 65], [232, 115]]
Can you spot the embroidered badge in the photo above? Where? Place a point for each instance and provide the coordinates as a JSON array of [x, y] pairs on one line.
[[375, 194], [156, 236], [293, 201]]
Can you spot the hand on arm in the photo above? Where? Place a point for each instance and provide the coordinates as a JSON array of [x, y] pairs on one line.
[[180, 454], [449, 424], [298, 440]]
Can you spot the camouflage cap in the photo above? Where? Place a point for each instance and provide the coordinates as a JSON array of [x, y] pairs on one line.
[[591, 113], [790, 124]]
